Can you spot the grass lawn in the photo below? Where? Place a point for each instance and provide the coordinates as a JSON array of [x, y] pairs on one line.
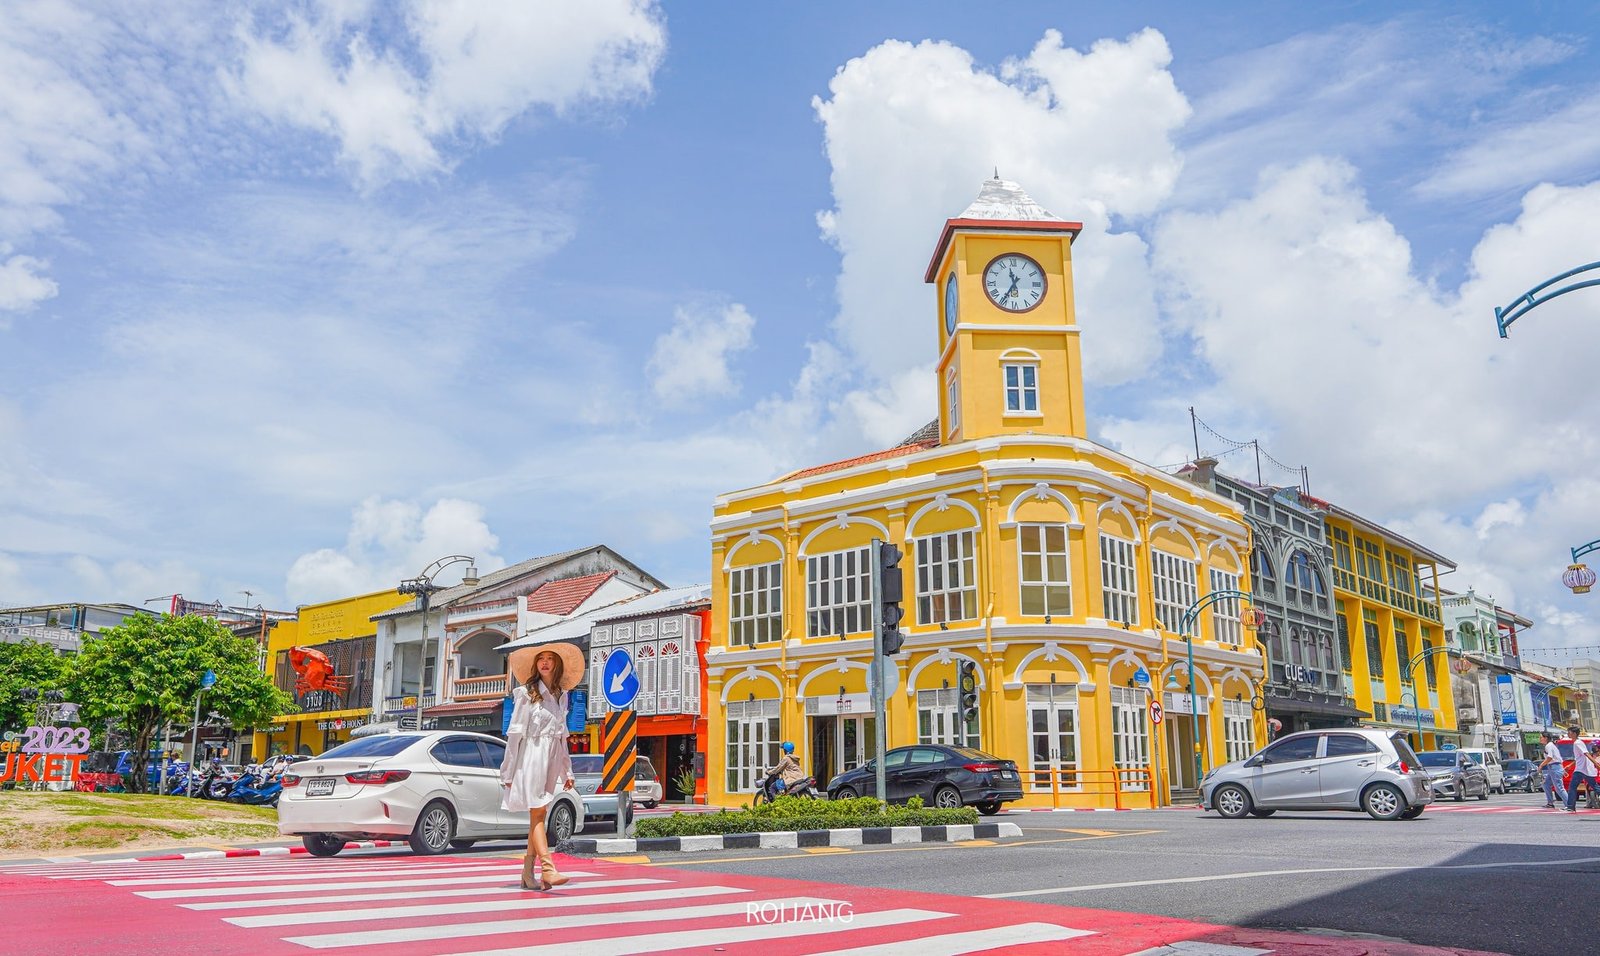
[[43, 823]]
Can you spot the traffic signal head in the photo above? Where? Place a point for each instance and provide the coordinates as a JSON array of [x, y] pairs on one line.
[[893, 638], [967, 681], [891, 584]]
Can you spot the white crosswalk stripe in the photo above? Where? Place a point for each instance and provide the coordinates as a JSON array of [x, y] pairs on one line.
[[450, 903], [706, 939], [536, 924], [404, 895], [954, 944], [488, 906], [502, 866]]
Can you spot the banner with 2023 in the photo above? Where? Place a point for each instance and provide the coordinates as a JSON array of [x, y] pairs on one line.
[[43, 754]]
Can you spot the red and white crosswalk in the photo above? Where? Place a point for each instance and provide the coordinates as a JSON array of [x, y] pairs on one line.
[[1499, 808], [402, 905]]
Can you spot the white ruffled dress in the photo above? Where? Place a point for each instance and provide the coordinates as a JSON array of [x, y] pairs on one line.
[[537, 764]]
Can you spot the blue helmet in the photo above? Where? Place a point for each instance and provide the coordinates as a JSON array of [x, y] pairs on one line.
[[788, 746]]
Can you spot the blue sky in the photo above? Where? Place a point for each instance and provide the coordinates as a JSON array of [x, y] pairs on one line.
[[295, 302]]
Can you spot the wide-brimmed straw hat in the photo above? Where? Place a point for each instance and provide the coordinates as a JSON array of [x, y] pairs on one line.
[[521, 662]]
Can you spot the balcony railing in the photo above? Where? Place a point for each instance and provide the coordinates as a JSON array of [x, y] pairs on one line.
[[406, 702], [482, 688]]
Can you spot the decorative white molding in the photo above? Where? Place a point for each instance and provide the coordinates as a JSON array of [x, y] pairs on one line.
[[1041, 491], [941, 502], [1181, 668], [750, 538], [839, 522], [944, 656], [1053, 652], [1020, 355], [749, 673], [1223, 544], [839, 665], [1120, 507], [1184, 533]]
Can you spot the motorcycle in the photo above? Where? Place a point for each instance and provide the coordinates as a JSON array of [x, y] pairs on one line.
[[261, 784], [772, 787]]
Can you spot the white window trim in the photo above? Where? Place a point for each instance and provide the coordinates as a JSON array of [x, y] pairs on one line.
[[1023, 391], [1123, 559], [1172, 576], [1225, 626], [1045, 581], [952, 392], [1238, 732], [839, 585], [756, 749], [1059, 697], [942, 706], [1130, 735], [758, 621], [965, 547]]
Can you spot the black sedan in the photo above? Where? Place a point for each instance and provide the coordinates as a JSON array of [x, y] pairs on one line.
[[1522, 775], [942, 776]]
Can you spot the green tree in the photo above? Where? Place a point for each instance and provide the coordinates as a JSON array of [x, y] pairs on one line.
[[26, 664], [147, 670]]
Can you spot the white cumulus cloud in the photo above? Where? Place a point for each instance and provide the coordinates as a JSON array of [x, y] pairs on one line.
[[398, 92], [392, 540], [690, 360]]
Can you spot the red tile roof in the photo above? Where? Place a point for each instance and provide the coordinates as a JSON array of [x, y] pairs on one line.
[[564, 596], [895, 452]]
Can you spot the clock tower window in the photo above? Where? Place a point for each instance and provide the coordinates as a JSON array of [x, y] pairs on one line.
[[1022, 388]]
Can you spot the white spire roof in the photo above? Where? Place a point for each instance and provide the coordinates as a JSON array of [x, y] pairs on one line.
[[1003, 199]]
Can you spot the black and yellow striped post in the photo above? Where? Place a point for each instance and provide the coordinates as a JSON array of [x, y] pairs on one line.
[[617, 739]]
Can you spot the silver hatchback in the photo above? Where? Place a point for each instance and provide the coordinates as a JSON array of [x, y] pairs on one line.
[[1348, 768]]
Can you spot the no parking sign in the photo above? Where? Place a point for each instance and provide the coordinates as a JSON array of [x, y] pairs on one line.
[[1156, 713]]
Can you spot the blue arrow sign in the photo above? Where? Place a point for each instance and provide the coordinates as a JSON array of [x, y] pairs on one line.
[[620, 683]]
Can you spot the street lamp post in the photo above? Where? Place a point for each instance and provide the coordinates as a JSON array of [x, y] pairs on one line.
[[423, 587], [1536, 296], [1186, 628], [1411, 667]]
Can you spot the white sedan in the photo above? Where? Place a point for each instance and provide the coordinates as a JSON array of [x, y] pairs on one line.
[[437, 789]]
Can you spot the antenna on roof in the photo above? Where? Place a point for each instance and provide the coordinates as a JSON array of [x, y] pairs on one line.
[[997, 172]]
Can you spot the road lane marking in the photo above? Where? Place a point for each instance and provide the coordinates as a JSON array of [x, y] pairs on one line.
[[265, 877], [502, 890], [445, 880], [1258, 874]]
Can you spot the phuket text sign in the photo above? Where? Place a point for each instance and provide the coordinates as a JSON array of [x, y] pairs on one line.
[[43, 754]]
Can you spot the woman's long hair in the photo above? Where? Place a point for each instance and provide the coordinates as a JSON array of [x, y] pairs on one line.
[[556, 675]]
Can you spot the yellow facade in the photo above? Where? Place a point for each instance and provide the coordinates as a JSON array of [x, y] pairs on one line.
[[1381, 610], [335, 715], [1028, 550]]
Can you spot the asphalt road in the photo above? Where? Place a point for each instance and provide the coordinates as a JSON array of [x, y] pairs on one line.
[[1472, 875]]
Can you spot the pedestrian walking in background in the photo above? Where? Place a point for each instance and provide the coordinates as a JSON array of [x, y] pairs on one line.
[[537, 765], [1552, 771], [1582, 769]]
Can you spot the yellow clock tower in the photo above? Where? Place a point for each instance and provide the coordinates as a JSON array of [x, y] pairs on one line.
[[1047, 578], [1009, 360]]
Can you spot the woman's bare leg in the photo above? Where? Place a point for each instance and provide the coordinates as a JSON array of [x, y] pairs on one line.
[[538, 841]]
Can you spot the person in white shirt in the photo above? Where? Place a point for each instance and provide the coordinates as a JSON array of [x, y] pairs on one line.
[[1582, 769], [1552, 771]]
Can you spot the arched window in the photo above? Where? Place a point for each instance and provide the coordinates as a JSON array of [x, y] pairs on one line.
[[1261, 569], [1302, 584]]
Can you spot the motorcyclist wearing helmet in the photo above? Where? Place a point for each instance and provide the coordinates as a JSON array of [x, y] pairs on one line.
[[788, 768]]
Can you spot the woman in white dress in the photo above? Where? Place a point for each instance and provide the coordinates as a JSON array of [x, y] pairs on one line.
[[537, 765]]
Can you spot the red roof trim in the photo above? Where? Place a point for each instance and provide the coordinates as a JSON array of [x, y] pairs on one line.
[[994, 225], [896, 452], [564, 596]]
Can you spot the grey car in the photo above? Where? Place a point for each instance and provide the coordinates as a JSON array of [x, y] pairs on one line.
[[1453, 773], [1348, 768]]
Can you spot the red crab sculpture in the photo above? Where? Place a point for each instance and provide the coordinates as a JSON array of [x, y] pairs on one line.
[[316, 672]]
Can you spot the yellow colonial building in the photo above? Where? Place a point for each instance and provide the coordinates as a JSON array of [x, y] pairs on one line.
[[342, 631], [1387, 611], [1060, 568]]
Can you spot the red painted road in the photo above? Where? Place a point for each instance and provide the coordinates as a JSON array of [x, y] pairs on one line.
[[404, 905]]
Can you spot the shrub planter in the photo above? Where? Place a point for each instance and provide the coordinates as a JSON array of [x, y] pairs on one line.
[[794, 839]]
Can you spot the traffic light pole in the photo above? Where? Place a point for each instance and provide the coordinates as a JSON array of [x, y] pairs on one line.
[[879, 710]]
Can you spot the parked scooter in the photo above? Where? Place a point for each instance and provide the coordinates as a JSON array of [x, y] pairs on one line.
[[772, 787], [261, 784]]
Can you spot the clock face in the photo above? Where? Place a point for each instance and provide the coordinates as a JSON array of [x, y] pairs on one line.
[[950, 305], [1014, 282]]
